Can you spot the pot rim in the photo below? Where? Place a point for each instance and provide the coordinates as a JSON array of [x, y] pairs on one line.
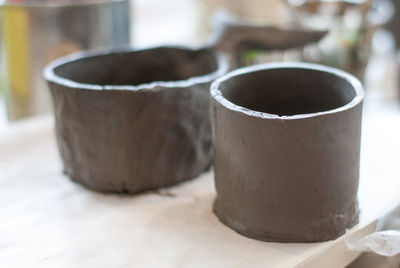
[[56, 4], [353, 81], [50, 76]]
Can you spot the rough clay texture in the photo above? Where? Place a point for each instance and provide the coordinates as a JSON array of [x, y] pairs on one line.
[[134, 140], [287, 180]]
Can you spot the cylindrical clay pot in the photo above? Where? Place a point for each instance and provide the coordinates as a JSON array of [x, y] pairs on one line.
[[131, 121], [286, 151]]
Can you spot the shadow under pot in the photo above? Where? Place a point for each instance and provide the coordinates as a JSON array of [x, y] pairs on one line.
[[131, 121], [286, 151]]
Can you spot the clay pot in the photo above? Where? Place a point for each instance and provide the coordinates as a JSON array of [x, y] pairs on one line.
[[286, 151], [131, 121], [137, 120]]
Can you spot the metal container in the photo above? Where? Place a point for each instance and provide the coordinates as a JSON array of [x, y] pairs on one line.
[[287, 151], [37, 32]]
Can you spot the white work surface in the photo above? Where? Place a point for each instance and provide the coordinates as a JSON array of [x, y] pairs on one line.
[[48, 221]]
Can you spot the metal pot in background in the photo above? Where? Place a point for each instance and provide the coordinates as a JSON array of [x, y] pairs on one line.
[[37, 32], [394, 24], [398, 73]]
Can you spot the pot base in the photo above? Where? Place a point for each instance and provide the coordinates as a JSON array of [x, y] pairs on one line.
[[326, 229], [131, 187]]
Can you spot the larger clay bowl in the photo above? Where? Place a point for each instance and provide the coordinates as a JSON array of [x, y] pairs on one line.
[[131, 121], [286, 151]]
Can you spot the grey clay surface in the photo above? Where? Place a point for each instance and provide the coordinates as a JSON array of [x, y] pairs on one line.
[[286, 151], [131, 121]]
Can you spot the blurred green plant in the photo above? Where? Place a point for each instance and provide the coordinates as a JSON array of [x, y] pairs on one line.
[[250, 56]]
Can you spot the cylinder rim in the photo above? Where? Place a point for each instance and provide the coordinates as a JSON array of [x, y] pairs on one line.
[[217, 95], [49, 74]]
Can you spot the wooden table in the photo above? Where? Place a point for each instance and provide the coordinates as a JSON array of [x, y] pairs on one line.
[[49, 221]]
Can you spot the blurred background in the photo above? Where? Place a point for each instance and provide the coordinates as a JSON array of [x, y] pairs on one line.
[[359, 36]]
